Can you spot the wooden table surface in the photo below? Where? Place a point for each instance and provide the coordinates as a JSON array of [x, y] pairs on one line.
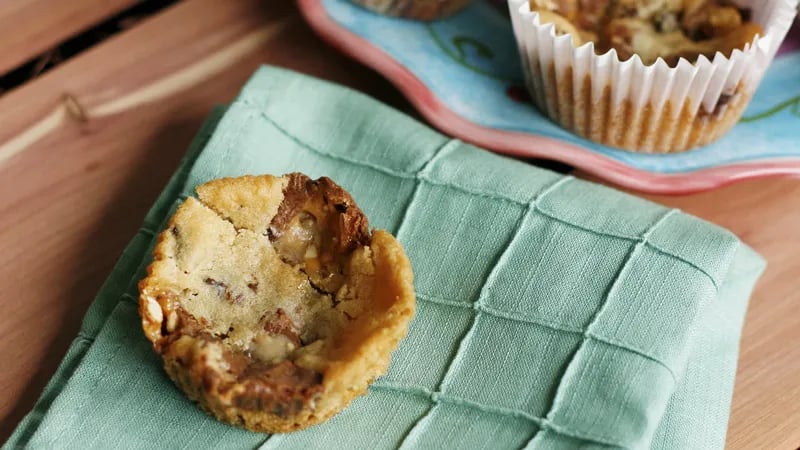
[[86, 148]]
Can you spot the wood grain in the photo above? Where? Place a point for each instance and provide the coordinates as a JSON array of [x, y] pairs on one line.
[[766, 215], [30, 27], [85, 149]]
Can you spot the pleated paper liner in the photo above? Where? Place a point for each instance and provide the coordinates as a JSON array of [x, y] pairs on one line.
[[630, 105]]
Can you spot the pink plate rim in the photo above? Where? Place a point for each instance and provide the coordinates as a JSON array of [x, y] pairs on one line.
[[530, 145]]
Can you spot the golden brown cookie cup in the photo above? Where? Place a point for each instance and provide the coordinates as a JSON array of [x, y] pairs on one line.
[[212, 307], [644, 108]]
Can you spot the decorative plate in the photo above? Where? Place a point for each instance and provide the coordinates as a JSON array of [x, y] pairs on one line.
[[463, 75]]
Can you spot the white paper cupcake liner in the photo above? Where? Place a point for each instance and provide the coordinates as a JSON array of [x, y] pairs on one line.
[[653, 108]]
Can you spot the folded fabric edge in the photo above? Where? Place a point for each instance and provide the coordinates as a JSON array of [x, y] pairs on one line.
[[81, 344], [757, 264], [747, 268]]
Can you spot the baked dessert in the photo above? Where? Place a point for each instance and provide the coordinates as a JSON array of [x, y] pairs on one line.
[[415, 9], [652, 29], [681, 74], [271, 302]]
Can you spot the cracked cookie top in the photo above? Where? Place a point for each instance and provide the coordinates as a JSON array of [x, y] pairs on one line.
[[652, 29], [259, 287]]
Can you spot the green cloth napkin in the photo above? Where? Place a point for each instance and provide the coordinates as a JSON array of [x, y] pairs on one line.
[[552, 312]]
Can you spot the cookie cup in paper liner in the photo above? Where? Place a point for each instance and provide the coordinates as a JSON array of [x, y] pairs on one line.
[[645, 108]]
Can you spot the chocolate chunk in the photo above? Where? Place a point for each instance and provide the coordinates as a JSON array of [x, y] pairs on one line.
[[719, 107], [223, 290], [281, 323], [318, 226], [350, 226]]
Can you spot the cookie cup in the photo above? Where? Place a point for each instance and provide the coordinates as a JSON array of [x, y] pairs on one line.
[[257, 337], [641, 108]]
